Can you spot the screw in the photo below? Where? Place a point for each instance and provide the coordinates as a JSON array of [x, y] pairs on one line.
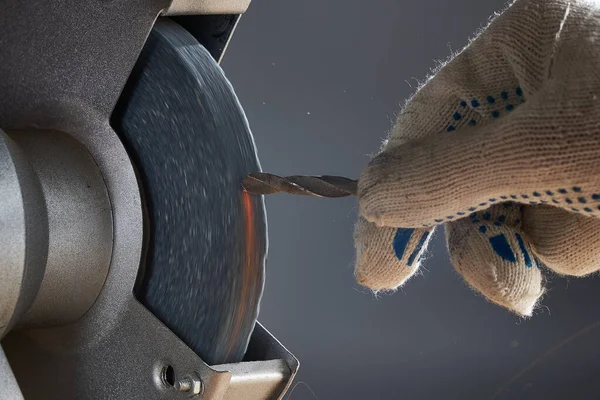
[[189, 383], [184, 385]]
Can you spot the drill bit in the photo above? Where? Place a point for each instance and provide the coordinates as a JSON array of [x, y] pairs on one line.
[[320, 186]]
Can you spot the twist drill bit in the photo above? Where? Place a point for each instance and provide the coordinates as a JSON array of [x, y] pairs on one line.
[[320, 186]]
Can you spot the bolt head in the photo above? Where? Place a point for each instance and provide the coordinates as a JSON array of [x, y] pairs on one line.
[[195, 384]]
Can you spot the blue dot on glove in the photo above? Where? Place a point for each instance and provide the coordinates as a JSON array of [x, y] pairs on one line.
[[502, 248], [523, 250], [401, 240], [418, 248]]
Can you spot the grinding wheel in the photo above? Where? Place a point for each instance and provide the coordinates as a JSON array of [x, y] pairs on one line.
[[189, 139]]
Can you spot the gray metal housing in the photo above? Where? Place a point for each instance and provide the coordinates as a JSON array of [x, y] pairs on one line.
[[64, 65]]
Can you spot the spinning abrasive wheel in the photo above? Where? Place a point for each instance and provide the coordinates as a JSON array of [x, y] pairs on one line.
[[187, 134], [132, 261]]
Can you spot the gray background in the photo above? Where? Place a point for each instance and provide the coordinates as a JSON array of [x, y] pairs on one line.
[[321, 81]]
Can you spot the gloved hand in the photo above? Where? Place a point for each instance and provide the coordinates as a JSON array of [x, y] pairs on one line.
[[502, 146]]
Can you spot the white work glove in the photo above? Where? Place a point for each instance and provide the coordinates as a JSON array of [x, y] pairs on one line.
[[502, 146]]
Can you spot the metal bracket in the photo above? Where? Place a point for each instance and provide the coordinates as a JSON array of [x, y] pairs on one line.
[[207, 7], [141, 359]]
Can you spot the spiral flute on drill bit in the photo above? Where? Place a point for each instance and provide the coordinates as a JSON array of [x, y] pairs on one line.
[[319, 186]]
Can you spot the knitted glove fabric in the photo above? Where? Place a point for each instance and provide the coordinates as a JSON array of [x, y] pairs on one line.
[[502, 146]]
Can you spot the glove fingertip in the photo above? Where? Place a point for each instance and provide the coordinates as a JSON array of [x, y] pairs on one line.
[[492, 254], [527, 305], [387, 257]]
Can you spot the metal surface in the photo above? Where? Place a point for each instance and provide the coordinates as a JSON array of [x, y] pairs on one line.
[[262, 380], [320, 186], [69, 80], [9, 388], [78, 57], [79, 224], [190, 384], [128, 364], [72, 84], [23, 234], [71, 56], [256, 380], [183, 7], [189, 139]]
